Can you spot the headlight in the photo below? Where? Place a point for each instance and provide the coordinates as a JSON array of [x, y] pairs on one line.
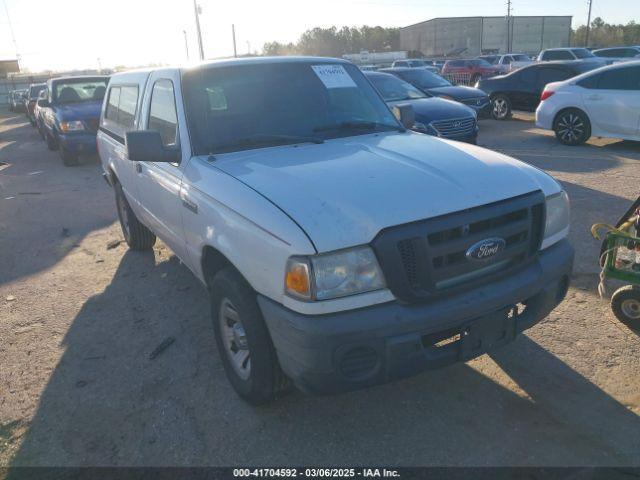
[[333, 275], [419, 127], [557, 219], [73, 126]]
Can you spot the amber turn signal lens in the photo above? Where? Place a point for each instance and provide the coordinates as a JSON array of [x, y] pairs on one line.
[[297, 279]]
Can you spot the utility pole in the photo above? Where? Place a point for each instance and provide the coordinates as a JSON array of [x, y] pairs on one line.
[[196, 7], [233, 34], [186, 44], [13, 37], [508, 26], [586, 43]]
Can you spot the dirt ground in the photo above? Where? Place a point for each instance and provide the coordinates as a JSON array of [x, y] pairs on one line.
[[79, 321]]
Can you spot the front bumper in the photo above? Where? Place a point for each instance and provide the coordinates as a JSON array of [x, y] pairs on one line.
[[354, 349], [78, 142]]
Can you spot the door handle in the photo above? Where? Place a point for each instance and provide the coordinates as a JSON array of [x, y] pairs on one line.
[[189, 204]]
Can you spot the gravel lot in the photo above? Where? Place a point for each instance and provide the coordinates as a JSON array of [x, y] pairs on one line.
[[79, 320]]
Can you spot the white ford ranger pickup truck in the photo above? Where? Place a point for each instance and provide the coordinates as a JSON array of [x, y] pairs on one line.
[[340, 249]]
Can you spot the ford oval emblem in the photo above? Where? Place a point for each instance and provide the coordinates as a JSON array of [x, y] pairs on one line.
[[486, 249]]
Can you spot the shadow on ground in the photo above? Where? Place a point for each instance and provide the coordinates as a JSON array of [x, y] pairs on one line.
[[109, 403], [41, 217]]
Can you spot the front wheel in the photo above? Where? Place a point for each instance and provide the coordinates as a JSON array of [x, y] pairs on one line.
[[572, 127], [52, 143], [137, 236], [625, 303], [501, 107], [69, 159], [244, 344]]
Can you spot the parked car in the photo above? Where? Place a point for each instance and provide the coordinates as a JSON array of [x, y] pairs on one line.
[[434, 85], [508, 62], [38, 110], [603, 102], [618, 54], [340, 249], [70, 115], [31, 99], [564, 54], [433, 115], [470, 70], [415, 63], [17, 101], [368, 68], [521, 89]]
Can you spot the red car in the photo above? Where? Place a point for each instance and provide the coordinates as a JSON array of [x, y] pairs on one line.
[[470, 71]]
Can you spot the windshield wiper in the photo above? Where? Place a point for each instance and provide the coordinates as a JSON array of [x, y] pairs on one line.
[[356, 126], [264, 140]]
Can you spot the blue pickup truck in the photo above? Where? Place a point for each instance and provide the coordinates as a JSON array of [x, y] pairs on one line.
[[70, 114]]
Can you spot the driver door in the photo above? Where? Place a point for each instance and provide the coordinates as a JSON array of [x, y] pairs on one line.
[[159, 183]]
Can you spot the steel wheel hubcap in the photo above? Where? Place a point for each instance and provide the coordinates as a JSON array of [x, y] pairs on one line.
[[631, 308], [570, 127], [234, 339], [500, 108]]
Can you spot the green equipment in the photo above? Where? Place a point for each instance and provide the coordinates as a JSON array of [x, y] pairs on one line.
[[620, 260]]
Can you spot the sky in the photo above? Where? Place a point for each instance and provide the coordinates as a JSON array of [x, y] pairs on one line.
[[67, 34]]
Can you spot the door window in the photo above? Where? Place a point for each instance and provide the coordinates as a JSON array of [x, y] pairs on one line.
[[557, 55], [548, 75], [620, 79], [162, 113]]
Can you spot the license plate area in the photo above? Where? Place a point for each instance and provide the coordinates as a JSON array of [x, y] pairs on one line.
[[487, 333]]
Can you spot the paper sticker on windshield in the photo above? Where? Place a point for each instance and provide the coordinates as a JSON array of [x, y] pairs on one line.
[[333, 76]]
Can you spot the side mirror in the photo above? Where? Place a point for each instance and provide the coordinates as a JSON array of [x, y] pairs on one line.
[[43, 102], [146, 146], [405, 113]]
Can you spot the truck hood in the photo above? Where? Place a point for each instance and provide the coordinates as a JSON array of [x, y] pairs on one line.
[[79, 111], [344, 191]]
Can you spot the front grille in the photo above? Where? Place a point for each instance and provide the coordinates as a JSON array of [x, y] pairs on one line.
[[457, 127], [427, 259], [476, 102]]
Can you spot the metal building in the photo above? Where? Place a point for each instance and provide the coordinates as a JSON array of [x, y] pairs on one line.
[[470, 36]]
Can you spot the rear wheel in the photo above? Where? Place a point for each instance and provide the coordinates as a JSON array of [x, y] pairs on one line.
[[501, 107], [243, 340], [572, 127], [625, 303], [137, 236]]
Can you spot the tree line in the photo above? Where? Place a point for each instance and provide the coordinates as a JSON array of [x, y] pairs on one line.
[[335, 41]]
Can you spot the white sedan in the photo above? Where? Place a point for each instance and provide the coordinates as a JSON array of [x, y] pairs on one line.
[[603, 103]]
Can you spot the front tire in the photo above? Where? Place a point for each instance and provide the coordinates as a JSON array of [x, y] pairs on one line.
[[69, 159], [52, 143], [572, 127], [625, 303], [137, 236], [243, 340], [500, 107]]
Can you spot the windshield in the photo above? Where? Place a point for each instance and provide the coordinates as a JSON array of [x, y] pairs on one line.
[[492, 59], [478, 62], [424, 79], [76, 91], [393, 89], [521, 58], [239, 107], [582, 53], [417, 63]]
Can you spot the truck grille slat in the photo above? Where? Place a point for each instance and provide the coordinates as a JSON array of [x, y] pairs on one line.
[[427, 259], [454, 127]]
